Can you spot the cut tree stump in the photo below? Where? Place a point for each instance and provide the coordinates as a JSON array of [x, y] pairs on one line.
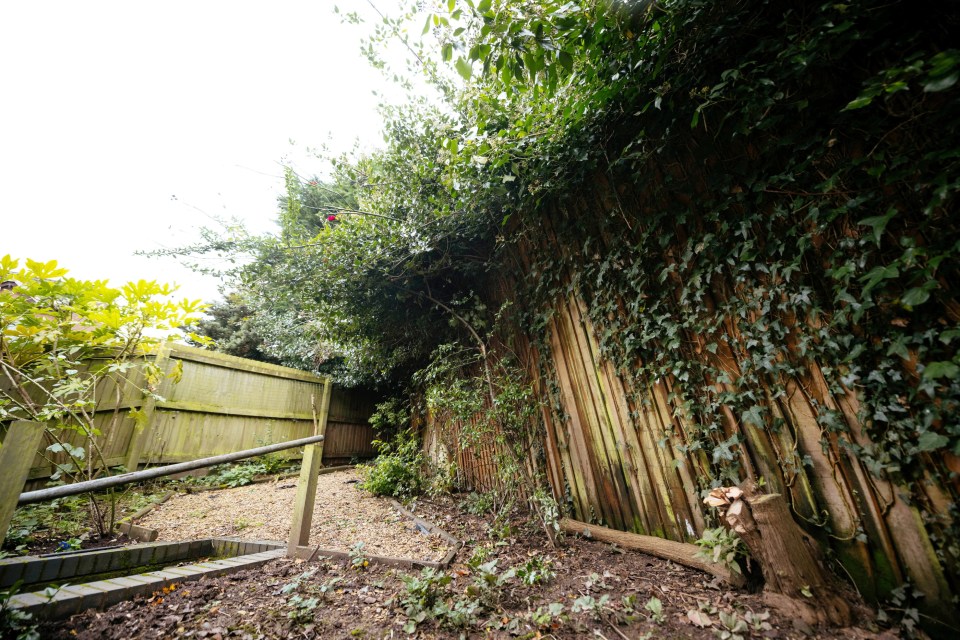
[[795, 581]]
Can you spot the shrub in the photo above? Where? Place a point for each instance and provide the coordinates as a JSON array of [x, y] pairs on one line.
[[397, 472]]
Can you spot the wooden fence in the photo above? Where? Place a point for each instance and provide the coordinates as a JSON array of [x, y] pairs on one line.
[[220, 404], [617, 450]]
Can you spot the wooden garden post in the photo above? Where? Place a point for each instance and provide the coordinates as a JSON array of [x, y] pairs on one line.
[[321, 428], [16, 455], [306, 495]]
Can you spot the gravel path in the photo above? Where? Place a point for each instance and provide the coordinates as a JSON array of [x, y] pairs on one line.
[[343, 515]]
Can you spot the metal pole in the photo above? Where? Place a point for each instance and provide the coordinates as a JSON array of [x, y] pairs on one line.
[[40, 495]]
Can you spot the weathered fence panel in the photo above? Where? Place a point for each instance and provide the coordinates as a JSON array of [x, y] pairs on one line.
[[622, 449], [220, 404], [349, 435]]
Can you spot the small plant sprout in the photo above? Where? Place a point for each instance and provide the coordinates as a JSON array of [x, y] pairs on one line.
[[358, 560], [655, 607]]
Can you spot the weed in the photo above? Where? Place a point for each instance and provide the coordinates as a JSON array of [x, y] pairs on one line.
[[758, 621], [589, 604], [902, 608], [488, 585], [535, 571], [549, 617], [596, 581], [15, 623], [358, 561], [397, 471], [60, 518], [477, 504], [734, 627], [423, 592], [655, 607], [301, 609], [547, 511], [724, 547], [72, 544], [243, 523], [480, 555], [235, 475], [297, 582], [303, 606]]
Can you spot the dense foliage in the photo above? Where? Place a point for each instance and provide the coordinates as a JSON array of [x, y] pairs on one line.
[[759, 183]]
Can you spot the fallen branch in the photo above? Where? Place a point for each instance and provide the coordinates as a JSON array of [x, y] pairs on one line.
[[679, 552]]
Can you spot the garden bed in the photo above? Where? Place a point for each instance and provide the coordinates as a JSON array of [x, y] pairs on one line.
[[582, 589]]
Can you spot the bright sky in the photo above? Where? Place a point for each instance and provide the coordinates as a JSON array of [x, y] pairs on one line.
[[124, 125]]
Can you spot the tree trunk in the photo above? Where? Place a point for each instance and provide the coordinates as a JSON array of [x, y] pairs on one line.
[[794, 579]]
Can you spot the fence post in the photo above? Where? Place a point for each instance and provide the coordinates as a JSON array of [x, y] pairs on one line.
[[306, 495], [324, 412], [16, 455], [140, 435]]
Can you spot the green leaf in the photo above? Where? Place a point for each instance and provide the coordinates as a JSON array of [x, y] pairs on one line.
[[941, 84], [858, 103], [565, 60], [915, 297], [878, 223], [464, 68], [936, 370], [931, 441]]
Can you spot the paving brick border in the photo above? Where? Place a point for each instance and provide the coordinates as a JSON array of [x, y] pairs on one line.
[[73, 598]]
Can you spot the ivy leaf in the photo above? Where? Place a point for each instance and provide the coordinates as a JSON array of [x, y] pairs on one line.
[[753, 416], [936, 370], [931, 441], [878, 223]]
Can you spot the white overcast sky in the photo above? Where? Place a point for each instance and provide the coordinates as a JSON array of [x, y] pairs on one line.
[[122, 123]]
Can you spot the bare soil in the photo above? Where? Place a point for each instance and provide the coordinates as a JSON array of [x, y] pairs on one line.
[[326, 599]]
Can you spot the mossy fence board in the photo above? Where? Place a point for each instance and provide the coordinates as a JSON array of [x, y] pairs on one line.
[[220, 404]]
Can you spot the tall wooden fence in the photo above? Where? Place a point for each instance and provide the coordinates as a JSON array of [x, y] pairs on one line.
[[618, 451], [220, 404]]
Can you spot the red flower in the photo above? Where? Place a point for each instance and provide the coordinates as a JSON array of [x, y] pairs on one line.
[[331, 218]]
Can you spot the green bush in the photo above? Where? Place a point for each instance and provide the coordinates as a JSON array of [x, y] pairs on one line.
[[397, 471]]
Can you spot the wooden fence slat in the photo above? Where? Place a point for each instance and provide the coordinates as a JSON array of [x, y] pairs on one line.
[[141, 432], [16, 456]]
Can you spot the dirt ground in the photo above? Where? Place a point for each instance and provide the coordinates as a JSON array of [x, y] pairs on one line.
[[583, 589]]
